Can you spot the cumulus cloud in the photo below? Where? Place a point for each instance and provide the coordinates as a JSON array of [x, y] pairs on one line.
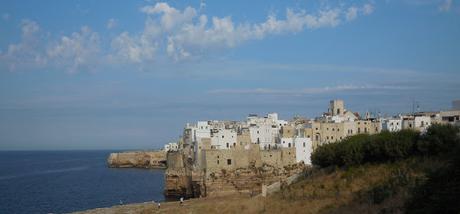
[[186, 33], [27, 52], [136, 48], [179, 34], [368, 9], [352, 13], [80, 49]]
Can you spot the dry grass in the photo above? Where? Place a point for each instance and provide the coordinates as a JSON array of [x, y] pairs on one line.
[[337, 191]]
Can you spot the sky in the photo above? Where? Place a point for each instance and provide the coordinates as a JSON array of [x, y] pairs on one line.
[[113, 74]]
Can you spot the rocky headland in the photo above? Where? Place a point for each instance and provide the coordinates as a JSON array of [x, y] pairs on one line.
[[138, 159]]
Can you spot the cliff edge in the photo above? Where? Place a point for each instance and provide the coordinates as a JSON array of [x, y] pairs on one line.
[[138, 159]]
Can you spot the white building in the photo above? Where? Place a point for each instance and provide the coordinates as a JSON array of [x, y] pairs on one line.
[[420, 123], [392, 125], [303, 149], [264, 135], [223, 138], [170, 147], [287, 142]]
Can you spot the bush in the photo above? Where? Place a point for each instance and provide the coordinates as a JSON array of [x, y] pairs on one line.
[[441, 192], [438, 139], [387, 146]]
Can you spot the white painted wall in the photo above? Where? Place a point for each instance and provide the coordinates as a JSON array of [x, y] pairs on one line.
[[303, 149], [392, 125], [224, 139]]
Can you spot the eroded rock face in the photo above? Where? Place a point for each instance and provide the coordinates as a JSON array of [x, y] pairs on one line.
[[194, 183], [246, 180], [138, 159]]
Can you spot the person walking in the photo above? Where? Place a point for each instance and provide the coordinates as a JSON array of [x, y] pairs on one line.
[[181, 200]]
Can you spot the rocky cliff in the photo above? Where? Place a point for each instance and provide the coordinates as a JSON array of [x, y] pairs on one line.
[[138, 159]]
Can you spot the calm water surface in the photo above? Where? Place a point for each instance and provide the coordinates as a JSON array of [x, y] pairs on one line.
[[66, 181]]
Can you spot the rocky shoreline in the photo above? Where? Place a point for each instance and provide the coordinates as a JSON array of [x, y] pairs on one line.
[[138, 159]]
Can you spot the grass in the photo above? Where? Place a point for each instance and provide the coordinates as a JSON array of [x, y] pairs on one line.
[[369, 188]]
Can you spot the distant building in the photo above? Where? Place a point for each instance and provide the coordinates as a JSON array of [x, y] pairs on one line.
[[392, 124], [171, 147]]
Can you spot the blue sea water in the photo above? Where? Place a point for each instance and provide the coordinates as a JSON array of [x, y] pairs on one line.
[[66, 181]]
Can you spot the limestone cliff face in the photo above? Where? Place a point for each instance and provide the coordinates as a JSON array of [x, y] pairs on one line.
[[138, 159], [246, 180]]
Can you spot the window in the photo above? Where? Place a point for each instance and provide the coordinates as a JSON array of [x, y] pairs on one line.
[[217, 162], [333, 129], [338, 129], [257, 132], [327, 137], [359, 130], [234, 144], [229, 161], [227, 145], [289, 145], [332, 137], [303, 144], [308, 136], [316, 128], [222, 136], [365, 130]]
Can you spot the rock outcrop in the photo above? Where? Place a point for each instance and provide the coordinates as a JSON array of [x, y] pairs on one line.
[[138, 159]]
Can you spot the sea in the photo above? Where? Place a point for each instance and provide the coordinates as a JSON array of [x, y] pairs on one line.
[[68, 181]]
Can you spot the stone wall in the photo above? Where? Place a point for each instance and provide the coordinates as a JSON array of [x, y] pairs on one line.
[[137, 159], [213, 172]]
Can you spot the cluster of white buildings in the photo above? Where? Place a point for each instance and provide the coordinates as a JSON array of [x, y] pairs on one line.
[[271, 133]]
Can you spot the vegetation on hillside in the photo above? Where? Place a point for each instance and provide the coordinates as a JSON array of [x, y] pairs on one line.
[[437, 191]]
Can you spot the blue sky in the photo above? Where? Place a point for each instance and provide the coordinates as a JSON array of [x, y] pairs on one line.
[[130, 74]]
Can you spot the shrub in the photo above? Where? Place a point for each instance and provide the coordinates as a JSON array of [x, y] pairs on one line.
[[387, 146], [438, 139]]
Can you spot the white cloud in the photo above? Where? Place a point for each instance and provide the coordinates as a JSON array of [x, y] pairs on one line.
[[79, 50], [368, 9], [170, 17], [27, 52], [111, 23], [137, 48], [445, 5], [187, 34], [352, 13], [168, 31]]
